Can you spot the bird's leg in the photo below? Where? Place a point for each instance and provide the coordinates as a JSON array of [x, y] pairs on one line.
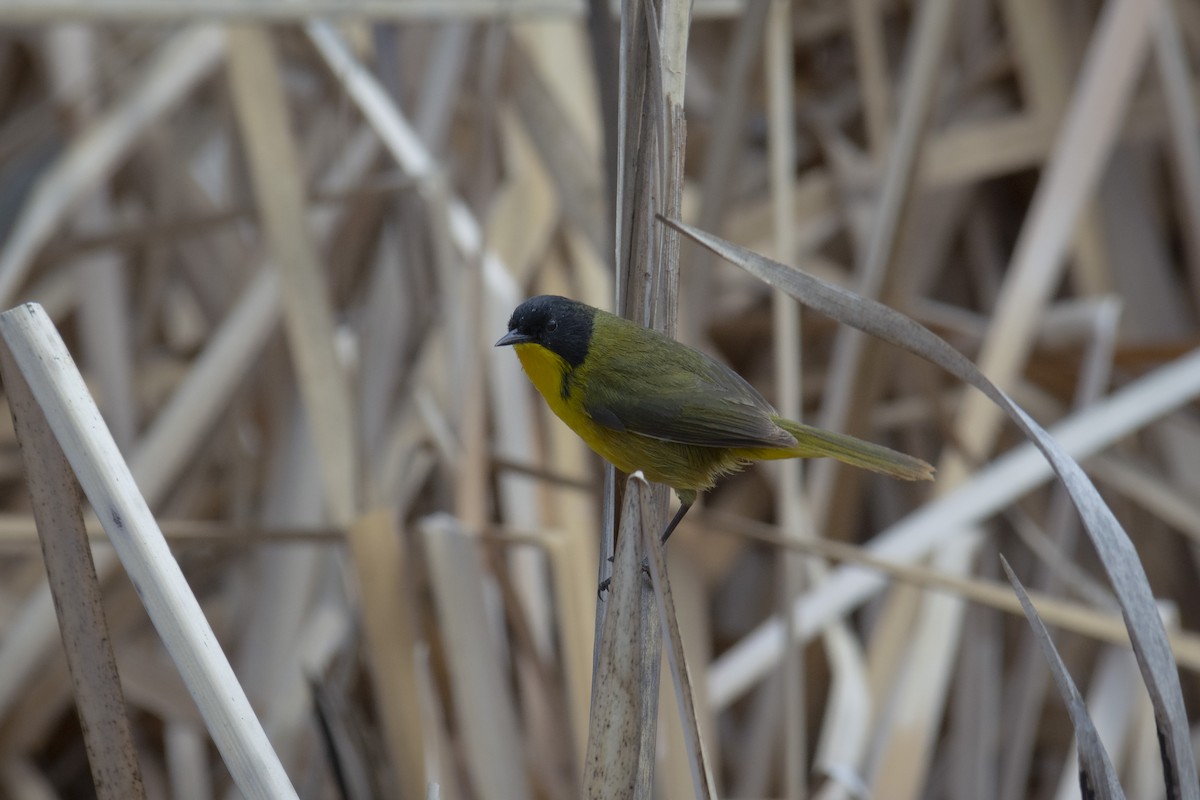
[[675, 520], [684, 505]]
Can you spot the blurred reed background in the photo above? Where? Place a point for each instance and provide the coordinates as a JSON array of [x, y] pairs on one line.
[[280, 238]]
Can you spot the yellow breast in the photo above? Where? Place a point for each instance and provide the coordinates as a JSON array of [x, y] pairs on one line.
[[547, 371], [680, 466]]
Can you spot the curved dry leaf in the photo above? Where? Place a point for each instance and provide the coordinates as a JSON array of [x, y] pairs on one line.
[[1112, 544], [1097, 778]]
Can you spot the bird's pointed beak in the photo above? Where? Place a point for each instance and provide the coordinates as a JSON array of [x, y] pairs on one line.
[[512, 337]]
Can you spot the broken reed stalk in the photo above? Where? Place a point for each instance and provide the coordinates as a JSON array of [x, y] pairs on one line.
[[71, 574], [617, 763], [698, 761], [59, 390]]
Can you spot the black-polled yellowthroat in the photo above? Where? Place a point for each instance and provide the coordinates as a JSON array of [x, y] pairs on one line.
[[644, 401]]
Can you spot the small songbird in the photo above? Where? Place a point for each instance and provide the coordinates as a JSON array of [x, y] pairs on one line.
[[643, 401]]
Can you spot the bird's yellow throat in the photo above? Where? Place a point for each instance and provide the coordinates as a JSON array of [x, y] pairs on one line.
[[546, 370]]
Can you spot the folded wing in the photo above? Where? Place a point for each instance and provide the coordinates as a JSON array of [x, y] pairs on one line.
[[691, 400]]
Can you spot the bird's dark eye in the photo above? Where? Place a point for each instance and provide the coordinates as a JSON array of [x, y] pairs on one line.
[[552, 326]]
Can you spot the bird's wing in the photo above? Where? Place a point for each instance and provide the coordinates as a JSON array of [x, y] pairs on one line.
[[692, 400]]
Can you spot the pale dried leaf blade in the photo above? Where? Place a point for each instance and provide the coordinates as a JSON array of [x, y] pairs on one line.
[[483, 704], [377, 551], [1097, 778], [1066, 615], [43, 358], [1112, 544], [259, 100], [71, 574]]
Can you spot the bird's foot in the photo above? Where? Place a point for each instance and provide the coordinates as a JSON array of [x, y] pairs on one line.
[[606, 584]]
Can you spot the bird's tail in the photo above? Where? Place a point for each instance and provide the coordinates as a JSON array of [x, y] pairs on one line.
[[815, 443]]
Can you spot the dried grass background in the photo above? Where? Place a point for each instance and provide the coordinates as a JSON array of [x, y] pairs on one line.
[[280, 246]]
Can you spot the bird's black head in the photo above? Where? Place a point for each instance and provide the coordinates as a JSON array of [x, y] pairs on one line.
[[558, 324]]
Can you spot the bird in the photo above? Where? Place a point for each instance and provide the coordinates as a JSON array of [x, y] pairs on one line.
[[644, 401]]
